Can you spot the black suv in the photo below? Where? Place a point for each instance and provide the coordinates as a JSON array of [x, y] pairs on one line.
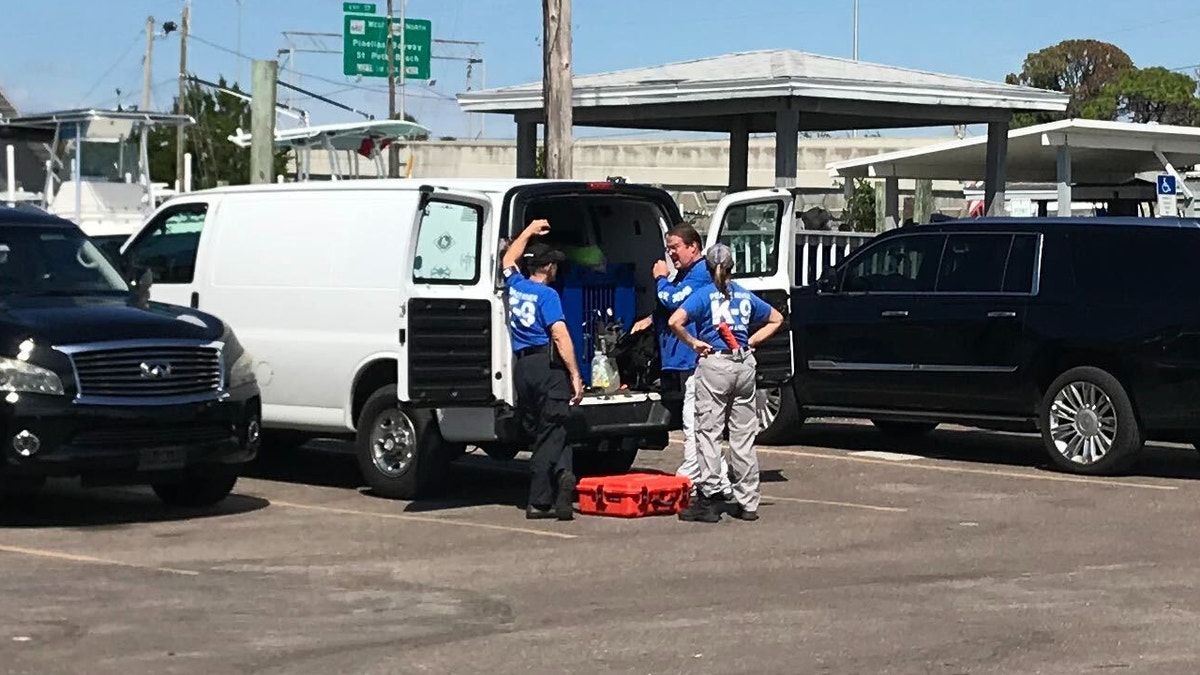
[[97, 382], [1086, 329]]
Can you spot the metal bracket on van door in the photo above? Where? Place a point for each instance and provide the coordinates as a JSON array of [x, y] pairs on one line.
[[426, 195]]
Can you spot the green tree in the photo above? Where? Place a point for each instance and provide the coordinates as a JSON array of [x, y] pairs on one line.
[[1079, 68], [1149, 95], [215, 160], [859, 215]]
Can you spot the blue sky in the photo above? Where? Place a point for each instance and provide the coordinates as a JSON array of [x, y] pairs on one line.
[[71, 53]]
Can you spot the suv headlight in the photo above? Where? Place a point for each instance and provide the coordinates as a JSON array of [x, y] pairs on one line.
[[239, 365], [20, 376]]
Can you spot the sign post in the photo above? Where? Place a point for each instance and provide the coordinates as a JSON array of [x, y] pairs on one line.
[[364, 46], [1168, 202]]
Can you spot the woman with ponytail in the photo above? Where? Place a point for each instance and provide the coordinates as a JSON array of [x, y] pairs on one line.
[[722, 313]]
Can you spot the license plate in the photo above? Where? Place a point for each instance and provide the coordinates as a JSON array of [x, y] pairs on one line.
[[161, 459]]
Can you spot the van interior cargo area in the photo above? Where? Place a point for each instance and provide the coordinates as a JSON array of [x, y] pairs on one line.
[[611, 242]]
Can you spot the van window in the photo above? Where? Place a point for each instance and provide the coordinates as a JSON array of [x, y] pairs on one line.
[[447, 250], [974, 263], [751, 231], [906, 264], [168, 246]]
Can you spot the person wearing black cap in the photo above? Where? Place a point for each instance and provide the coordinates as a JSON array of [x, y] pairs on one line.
[[541, 370]]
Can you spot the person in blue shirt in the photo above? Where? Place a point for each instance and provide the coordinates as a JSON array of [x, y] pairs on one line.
[[722, 313], [678, 361], [545, 375]]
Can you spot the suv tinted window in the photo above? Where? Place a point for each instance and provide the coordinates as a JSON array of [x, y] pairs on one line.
[[39, 260], [1114, 265], [974, 263], [906, 264], [1022, 258], [168, 248]]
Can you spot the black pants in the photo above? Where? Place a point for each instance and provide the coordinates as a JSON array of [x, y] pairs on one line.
[[543, 398]]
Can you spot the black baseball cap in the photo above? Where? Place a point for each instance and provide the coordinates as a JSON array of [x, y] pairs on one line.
[[538, 254]]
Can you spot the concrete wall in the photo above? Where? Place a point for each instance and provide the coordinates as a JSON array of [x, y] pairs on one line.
[[695, 171]]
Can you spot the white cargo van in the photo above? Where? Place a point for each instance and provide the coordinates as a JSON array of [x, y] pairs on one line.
[[374, 308]]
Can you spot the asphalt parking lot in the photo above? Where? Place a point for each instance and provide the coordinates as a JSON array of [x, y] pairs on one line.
[[961, 553]]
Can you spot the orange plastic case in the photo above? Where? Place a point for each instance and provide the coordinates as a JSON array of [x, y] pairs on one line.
[[633, 495]]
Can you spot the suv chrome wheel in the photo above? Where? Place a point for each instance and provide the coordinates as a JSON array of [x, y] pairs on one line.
[[768, 404], [393, 442], [1083, 422]]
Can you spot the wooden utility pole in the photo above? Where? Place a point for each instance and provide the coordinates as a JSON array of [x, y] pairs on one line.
[[147, 70], [179, 103], [393, 157], [263, 80], [556, 86]]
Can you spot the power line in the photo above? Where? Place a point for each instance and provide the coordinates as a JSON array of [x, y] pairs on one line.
[[136, 39]]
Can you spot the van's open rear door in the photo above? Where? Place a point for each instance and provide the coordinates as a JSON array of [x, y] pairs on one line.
[[448, 305], [757, 225]]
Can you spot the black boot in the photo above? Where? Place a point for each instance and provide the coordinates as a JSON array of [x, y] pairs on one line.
[[566, 495], [701, 510]]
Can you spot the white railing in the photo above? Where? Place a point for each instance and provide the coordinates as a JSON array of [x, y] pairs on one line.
[[818, 250]]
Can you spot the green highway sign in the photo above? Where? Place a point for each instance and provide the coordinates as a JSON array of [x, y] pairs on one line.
[[364, 48], [358, 7]]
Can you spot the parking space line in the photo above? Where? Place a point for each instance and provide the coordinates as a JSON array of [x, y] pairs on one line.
[[849, 505], [71, 557], [955, 469], [425, 519]]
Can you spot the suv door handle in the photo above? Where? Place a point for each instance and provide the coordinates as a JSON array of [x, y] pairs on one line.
[[1002, 315], [894, 313]]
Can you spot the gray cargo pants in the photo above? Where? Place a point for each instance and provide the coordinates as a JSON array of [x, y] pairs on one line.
[[725, 396]]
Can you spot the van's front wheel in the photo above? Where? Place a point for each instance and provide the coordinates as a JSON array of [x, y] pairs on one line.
[[400, 452]]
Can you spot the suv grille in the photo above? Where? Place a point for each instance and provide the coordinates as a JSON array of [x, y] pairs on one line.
[[147, 371]]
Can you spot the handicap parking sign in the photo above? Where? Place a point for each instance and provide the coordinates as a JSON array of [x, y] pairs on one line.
[[1167, 184]]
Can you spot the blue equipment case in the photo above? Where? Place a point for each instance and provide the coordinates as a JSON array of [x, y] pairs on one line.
[[586, 291]]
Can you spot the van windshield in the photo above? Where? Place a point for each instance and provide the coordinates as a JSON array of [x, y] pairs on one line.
[[36, 260]]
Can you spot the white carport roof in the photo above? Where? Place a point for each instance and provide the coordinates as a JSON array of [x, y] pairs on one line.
[[828, 92], [1099, 153]]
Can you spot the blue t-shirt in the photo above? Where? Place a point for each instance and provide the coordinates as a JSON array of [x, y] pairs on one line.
[[532, 309], [671, 294], [707, 308]]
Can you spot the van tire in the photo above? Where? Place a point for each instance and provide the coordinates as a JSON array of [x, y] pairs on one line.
[[392, 472], [199, 490], [1128, 438], [784, 428]]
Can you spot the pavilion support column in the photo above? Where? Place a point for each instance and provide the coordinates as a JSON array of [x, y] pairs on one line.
[[787, 132], [891, 199], [739, 154], [1064, 181], [996, 173], [527, 132]]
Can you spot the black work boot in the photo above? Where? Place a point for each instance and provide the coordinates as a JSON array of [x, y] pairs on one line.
[[566, 495], [741, 513], [701, 510]]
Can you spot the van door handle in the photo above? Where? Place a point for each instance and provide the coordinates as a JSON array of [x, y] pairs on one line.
[[1002, 315], [195, 300], [894, 313]]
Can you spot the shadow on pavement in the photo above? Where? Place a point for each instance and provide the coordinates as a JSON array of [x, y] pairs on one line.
[[989, 447], [66, 504]]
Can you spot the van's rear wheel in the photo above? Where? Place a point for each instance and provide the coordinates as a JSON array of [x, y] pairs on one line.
[[1088, 423], [779, 418], [400, 452]]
